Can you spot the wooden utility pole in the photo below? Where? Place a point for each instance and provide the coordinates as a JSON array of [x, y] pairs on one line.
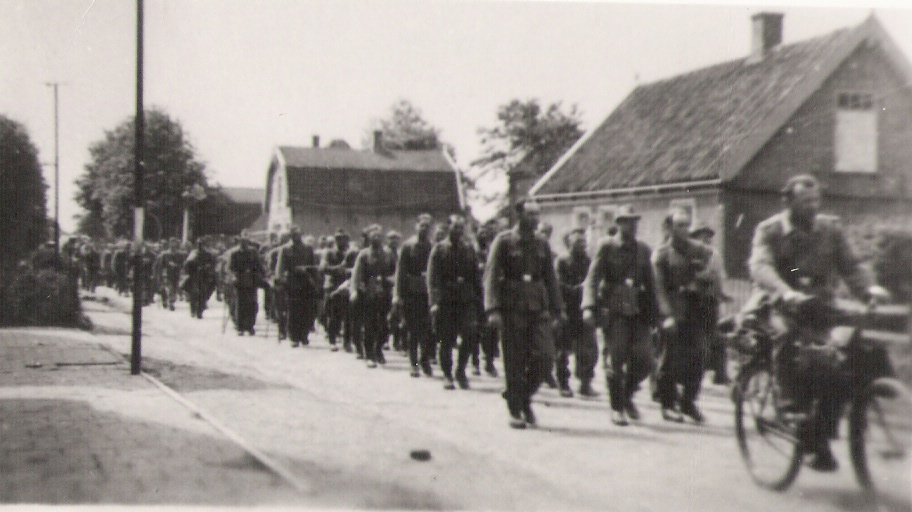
[[139, 200]]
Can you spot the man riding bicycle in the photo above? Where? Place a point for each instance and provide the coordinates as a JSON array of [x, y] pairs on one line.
[[799, 254]]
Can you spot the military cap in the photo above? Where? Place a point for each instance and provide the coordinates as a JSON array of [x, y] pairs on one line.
[[702, 229], [341, 234], [626, 212]]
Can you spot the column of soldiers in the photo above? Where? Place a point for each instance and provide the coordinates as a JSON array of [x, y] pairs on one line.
[[500, 293]]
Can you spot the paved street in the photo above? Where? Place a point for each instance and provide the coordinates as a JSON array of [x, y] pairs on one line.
[[346, 431]]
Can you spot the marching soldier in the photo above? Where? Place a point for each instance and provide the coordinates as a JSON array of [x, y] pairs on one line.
[[371, 292], [454, 288], [717, 358], [410, 295], [394, 319], [169, 264], [522, 300], [199, 278], [575, 336], [683, 303], [487, 334], [247, 276], [120, 262], [297, 271], [280, 303], [620, 282], [336, 266]]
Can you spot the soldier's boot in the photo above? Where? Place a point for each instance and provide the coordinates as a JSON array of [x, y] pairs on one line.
[[528, 415], [461, 379], [585, 389], [490, 369], [565, 390], [448, 383]]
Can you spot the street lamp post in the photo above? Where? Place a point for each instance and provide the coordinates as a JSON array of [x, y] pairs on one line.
[[56, 85]]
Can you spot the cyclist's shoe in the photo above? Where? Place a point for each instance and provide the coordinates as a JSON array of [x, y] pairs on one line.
[[823, 460]]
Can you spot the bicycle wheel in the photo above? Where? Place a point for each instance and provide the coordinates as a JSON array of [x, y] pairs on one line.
[[769, 446], [880, 442]]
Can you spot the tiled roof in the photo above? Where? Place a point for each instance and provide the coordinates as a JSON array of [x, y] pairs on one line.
[[342, 158], [691, 127], [245, 195]]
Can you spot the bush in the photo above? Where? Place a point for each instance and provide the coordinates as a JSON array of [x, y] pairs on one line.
[[45, 297], [893, 262]]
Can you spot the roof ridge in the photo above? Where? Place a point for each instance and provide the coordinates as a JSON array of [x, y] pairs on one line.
[[815, 39]]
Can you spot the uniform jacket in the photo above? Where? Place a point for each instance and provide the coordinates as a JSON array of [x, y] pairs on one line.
[[373, 274], [337, 266], [785, 256], [571, 273], [246, 267], [519, 275], [452, 274], [678, 267], [621, 280], [297, 267], [411, 271]]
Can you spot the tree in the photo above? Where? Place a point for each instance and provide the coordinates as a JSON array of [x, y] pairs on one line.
[[22, 195], [404, 128], [526, 141], [170, 166]]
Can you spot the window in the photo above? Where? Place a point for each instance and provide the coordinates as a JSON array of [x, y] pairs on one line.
[[606, 216], [688, 204], [582, 217], [856, 133]]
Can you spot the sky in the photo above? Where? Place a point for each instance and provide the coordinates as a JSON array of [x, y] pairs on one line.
[[243, 77]]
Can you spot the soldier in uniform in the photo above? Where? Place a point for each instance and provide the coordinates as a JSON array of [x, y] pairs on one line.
[[679, 265], [120, 262], [575, 336], [394, 319], [796, 254], [280, 304], [199, 278], [247, 276], [454, 289], [410, 296], [169, 264], [336, 267], [371, 292], [522, 300], [619, 292], [297, 271], [717, 357], [91, 266], [487, 334], [269, 294]]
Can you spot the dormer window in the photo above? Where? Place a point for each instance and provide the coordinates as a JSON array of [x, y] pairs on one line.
[[856, 132]]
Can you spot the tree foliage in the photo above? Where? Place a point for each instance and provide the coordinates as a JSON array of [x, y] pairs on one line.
[[404, 128], [106, 188], [527, 140], [22, 195]]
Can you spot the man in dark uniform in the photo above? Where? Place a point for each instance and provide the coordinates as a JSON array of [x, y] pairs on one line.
[[410, 295], [279, 305], [297, 271], [620, 287], [522, 300], [575, 336], [269, 293], [454, 289], [336, 266], [120, 262], [169, 264], [371, 292], [246, 276], [683, 299], [717, 357], [199, 278], [796, 254], [394, 319], [487, 334], [91, 266], [143, 255]]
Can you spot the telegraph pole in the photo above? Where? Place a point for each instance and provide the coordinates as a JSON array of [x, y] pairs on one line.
[[139, 200], [56, 85]]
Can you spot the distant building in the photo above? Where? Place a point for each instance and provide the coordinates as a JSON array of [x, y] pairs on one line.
[[722, 140], [321, 189], [246, 205]]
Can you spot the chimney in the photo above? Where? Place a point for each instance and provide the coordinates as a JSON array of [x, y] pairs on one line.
[[767, 34], [378, 141], [316, 141]]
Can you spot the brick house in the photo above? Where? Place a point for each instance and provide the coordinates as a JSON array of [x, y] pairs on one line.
[[722, 140], [321, 189]]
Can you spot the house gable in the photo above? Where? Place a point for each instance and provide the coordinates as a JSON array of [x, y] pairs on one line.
[[806, 142], [708, 124]]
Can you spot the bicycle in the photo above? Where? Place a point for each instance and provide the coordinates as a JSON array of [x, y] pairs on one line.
[[879, 406]]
